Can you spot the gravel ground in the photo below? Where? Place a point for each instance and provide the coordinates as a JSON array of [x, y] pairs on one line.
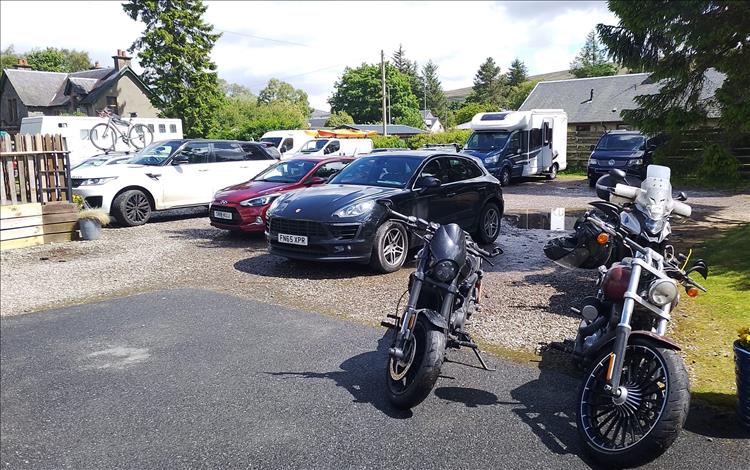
[[526, 297]]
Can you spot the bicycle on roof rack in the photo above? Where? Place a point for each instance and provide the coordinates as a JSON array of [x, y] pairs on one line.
[[104, 136]]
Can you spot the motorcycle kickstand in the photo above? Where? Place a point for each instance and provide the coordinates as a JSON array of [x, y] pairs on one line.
[[469, 343]]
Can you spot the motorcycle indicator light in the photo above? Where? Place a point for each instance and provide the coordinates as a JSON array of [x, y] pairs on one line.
[[692, 292], [602, 238]]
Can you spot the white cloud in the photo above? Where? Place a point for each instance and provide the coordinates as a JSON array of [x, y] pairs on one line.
[[458, 36]]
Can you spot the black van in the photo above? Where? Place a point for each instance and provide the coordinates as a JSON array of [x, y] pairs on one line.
[[629, 151]]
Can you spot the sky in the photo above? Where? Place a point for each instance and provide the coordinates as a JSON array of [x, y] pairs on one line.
[[308, 44]]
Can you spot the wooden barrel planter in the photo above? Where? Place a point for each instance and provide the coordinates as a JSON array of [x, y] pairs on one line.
[[742, 370]]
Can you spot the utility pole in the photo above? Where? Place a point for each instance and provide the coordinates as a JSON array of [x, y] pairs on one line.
[[390, 119], [382, 75]]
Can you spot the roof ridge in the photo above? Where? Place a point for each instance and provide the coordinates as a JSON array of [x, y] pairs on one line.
[[34, 71], [595, 78]]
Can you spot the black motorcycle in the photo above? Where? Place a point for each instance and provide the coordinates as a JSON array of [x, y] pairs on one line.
[[444, 291]]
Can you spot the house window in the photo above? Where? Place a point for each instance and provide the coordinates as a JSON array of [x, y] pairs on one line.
[[173, 128], [162, 128], [583, 128], [150, 127], [13, 109], [112, 103]]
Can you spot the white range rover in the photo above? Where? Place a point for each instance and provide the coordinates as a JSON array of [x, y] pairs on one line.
[[170, 174]]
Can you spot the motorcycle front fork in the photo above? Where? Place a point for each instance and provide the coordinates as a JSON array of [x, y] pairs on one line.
[[622, 333], [410, 315]]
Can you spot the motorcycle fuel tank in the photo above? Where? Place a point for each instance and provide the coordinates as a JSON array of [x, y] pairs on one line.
[[615, 282]]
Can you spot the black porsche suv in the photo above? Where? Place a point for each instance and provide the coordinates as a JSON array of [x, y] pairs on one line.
[[341, 221]]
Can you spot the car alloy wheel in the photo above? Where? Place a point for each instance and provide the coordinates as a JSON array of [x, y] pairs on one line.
[[394, 246], [137, 207], [491, 223]]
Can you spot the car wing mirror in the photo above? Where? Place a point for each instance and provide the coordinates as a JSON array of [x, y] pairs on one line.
[[427, 182], [314, 180], [592, 147], [179, 159]]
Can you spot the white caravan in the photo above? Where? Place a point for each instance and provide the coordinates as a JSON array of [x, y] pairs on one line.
[[288, 142], [329, 147], [75, 130], [513, 144]]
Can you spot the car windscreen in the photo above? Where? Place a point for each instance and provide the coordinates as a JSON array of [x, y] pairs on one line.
[[621, 142], [274, 140], [379, 170], [487, 140], [91, 162], [313, 146], [289, 171], [156, 153]]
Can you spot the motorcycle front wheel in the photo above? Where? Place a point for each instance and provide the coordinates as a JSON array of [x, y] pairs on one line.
[[411, 379], [640, 425]]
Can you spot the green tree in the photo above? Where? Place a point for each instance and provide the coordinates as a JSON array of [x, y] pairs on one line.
[[489, 85], [339, 118], [591, 61], [358, 92], [8, 58], [519, 93], [58, 60], [465, 113], [235, 89], [175, 53], [678, 43], [435, 96], [410, 69], [517, 73], [280, 91]]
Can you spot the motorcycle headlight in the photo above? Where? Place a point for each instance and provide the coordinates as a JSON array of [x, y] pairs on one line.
[[97, 181], [635, 162], [259, 201], [492, 159], [354, 210], [654, 226], [445, 270], [662, 292]]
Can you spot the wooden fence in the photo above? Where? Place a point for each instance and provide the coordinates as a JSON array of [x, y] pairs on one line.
[[35, 198], [34, 169], [579, 146]]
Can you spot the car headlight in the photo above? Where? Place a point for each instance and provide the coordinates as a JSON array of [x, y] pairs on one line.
[[97, 181], [259, 201], [662, 292], [276, 203], [445, 270], [635, 162], [593, 162], [354, 210], [492, 159]]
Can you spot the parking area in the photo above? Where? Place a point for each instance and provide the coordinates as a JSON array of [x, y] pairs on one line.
[[526, 297]]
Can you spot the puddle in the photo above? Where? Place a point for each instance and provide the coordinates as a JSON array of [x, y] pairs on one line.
[[556, 219]]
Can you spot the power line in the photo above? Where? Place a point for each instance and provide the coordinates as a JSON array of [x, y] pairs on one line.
[[297, 75], [264, 38]]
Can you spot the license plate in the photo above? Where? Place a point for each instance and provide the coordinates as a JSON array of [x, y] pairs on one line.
[[293, 239], [223, 215]]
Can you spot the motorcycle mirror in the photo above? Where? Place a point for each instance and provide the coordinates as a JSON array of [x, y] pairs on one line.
[[681, 196], [496, 251], [618, 175], [387, 203]]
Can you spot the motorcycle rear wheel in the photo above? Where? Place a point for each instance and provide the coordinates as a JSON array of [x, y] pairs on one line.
[[410, 381], [651, 415]]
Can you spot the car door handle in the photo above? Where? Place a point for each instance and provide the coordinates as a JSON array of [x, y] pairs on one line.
[[450, 194], [205, 169]]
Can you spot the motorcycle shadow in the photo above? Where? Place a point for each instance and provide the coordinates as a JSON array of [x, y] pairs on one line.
[[360, 378]]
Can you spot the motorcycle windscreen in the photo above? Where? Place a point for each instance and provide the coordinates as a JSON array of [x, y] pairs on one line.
[[449, 242]]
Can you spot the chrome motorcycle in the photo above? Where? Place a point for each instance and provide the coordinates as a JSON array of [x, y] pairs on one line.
[[444, 292], [635, 396]]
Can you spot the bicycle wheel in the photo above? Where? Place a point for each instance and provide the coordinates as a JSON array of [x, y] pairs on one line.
[[140, 136], [103, 137]]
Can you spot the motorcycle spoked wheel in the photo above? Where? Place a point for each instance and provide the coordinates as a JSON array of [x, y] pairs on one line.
[[411, 380], [642, 426]]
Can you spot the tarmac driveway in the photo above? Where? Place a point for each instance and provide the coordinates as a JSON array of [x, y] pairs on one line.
[[191, 378]]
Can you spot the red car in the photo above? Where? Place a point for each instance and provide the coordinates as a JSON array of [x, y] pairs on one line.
[[243, 207]]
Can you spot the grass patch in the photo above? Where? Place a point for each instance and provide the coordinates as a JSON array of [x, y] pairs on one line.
[[708, 324]]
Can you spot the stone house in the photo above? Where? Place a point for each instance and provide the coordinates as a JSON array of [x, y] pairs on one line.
[[25, 92]]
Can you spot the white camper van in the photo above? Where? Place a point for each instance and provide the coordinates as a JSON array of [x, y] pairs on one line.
[[336, 147], [512, 144], [76, 130], [288, 142]]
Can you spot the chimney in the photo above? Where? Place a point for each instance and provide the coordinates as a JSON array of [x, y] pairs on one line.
[[96, 66], [22, 64], [121, 59]]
